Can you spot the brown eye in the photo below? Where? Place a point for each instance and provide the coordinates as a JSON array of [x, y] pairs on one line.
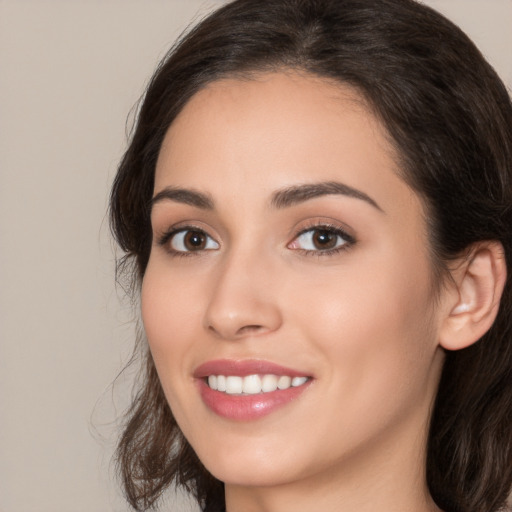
[[323, 239], [190, 240], [194, 240]]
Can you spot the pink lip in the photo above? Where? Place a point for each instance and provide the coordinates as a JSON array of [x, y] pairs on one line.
[[244, 368], [246, 407]]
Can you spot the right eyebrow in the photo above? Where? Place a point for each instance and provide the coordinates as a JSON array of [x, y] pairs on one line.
[[184, 196], [300, 193]]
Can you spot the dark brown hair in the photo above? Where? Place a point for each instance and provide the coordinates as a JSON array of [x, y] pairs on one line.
[[450, 119]]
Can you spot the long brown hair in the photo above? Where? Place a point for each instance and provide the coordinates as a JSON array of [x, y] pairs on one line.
[[450, 118]]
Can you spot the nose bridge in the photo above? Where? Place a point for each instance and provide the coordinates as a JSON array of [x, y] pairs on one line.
[[243, 301]]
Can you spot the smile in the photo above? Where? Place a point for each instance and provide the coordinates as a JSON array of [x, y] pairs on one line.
[[247, 390], [253, 384]]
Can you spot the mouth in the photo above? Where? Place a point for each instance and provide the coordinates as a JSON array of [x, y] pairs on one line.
[[250, 389], [253, 384]]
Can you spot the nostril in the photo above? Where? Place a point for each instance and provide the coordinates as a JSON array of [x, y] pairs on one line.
[[247, 329], [232, 317]]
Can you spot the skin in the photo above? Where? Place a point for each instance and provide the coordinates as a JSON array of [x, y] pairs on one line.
[[363, 322]]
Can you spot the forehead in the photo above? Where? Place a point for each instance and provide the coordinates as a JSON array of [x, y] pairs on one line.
[[275, 130], [271, 107]]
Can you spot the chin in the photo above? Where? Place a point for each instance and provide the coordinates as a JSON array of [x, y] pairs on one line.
[[256, 466], [250, 475]]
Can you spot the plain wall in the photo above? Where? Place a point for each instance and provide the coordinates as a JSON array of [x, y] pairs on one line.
[[70, 71]]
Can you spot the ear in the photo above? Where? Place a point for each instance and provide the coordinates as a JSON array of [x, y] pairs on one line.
[[474, 301]]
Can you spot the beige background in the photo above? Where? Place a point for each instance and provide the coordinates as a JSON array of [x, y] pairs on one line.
[[70, 71]]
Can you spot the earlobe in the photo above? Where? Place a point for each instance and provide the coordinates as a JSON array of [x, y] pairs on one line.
[[479, 282]]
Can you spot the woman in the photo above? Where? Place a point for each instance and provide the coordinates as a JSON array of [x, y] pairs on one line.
[[317, 204]]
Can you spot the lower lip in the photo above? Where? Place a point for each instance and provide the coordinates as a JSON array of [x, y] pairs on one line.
[[248, 407]]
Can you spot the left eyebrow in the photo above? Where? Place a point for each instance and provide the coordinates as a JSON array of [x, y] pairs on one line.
[[184, 196], [300, 193]]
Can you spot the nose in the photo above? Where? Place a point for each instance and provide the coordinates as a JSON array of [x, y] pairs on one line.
[[244, 300]]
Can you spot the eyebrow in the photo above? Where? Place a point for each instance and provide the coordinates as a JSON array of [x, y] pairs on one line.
[[184, 196], [300, 193], [280, 199]]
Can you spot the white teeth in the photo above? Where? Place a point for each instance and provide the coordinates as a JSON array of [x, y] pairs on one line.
[[221, 383], [284, 382], [253, 384], [269, 383], [298, 381], [234, 385], [212, 381]]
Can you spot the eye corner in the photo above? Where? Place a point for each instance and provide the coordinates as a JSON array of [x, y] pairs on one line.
[[321, 239], [187, 241]]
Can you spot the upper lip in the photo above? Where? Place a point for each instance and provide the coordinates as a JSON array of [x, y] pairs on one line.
[[242, 368]]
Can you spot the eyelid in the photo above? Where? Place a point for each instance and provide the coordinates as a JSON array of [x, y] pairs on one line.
[[327, 227], [164, 239], [327, 223], [322, 225]]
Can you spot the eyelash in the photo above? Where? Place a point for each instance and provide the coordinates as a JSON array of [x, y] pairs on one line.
[[167, 237], [349, 241]]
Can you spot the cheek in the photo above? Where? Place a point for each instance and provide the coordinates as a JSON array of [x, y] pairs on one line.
[[169, 311], [372, 325], [369, 296]]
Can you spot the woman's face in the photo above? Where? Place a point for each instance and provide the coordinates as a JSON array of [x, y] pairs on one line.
[[287, 252]]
